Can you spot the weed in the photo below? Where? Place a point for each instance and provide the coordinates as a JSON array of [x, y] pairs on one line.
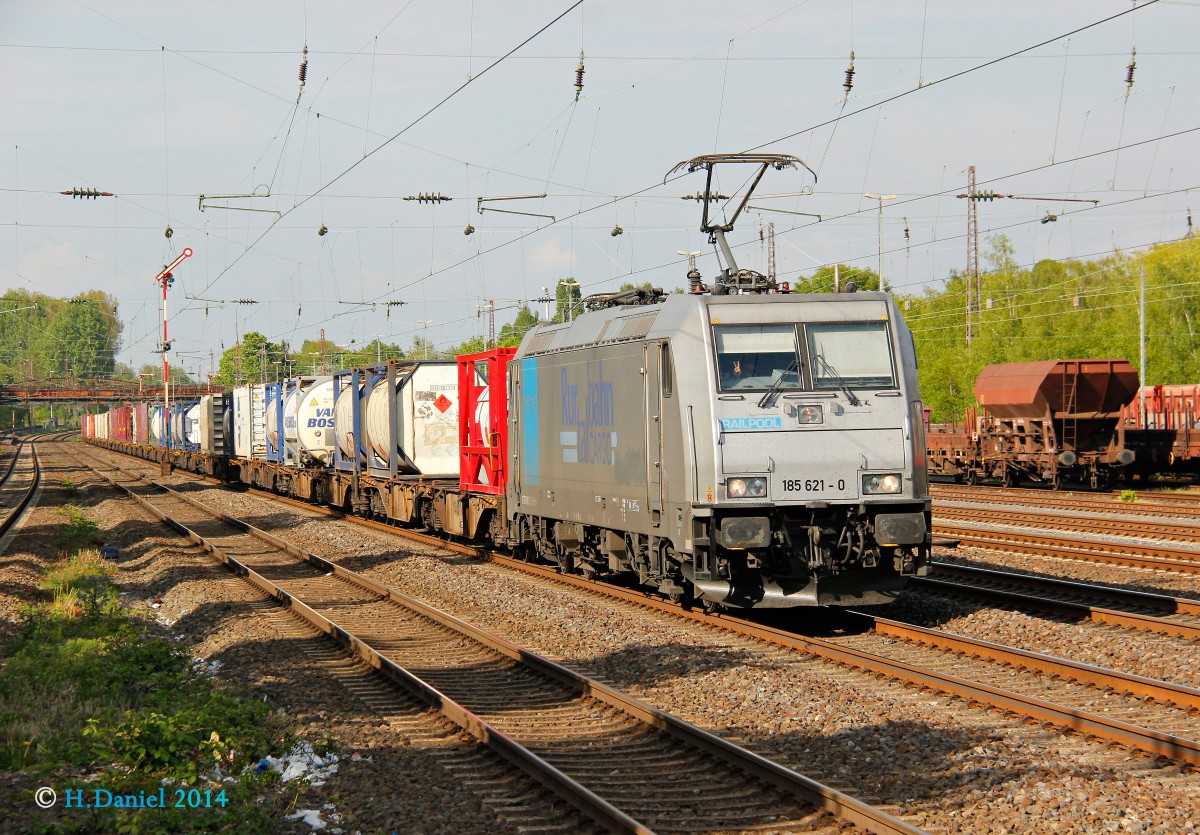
[[79, 532], [1128, 496], [70, 488]]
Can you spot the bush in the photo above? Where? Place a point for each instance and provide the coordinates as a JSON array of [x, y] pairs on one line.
[[1128, 496]]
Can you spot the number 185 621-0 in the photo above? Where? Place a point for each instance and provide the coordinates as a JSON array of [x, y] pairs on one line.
[[813, 485]]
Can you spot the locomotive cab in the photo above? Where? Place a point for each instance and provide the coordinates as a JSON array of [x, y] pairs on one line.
[[818, 493]]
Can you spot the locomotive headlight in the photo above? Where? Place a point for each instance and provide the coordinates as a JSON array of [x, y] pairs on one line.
[[743, 532], [876, 484], [811, 415], [741, 488]]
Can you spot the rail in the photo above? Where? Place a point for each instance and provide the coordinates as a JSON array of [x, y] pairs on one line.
[[786, 780]]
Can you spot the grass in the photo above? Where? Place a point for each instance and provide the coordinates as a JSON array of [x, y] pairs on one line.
[[85, 688]]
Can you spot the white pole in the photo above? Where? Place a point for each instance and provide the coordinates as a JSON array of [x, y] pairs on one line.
[[1142, 336]]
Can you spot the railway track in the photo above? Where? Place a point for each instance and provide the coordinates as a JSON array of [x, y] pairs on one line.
[[1107, 524], [935, 660], [1177, 616], [22, 475], [1162, 556], [1093, 502], [607, 753]]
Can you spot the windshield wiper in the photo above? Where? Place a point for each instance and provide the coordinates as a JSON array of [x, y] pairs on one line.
[[768, 399], [837, 378]]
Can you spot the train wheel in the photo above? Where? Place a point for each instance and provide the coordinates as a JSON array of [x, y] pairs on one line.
[[972, 478], [1056, 481], [1011, 477]]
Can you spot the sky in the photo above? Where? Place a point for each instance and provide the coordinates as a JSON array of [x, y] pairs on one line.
[[193, 117]]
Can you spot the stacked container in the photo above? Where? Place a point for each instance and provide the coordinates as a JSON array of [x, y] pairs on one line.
[[249, 422]]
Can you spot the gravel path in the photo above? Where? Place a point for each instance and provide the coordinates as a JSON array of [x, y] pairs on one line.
[[952, 767]]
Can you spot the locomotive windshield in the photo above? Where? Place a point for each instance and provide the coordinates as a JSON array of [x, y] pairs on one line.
[[757, 356], [854, 354], [838, 354]]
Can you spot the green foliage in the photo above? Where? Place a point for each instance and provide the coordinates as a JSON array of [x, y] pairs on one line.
[[567, 300], [472, 346], [189, 739], [822, 281], [1057, 310], [255, 360], [1128, 496], [82, 585], [42, 337], [95, 692], [79, 532], [511, 335]]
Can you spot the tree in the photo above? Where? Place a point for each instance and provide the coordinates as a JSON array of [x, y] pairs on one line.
[[567, 298], [474, 345], [822, 281], [255, 360], [43, 337], [511, 335], [373, 353]]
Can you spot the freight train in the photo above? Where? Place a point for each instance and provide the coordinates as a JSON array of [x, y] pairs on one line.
[[1056, 422], [735, 447]]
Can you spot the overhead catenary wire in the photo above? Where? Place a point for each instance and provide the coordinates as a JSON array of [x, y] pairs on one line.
[[431, 110], [959, 74], [475, 240]]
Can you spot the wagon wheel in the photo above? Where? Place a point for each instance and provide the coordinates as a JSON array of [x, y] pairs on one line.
[[1011, 477], [1056, 481], [972, 478]]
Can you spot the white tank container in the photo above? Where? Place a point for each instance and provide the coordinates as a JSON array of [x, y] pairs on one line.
[[191, 425], [308, 422], [156, 424], [310, 412], [426, 406], [343, 420]]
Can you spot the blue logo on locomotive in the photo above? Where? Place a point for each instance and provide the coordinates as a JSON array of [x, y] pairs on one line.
[[594, 439], [751, 424]]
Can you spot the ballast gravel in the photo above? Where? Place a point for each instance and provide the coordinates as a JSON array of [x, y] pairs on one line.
[[942, 764], [388, 780]]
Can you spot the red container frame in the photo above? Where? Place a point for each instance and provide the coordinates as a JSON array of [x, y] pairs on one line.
[[483, 450]]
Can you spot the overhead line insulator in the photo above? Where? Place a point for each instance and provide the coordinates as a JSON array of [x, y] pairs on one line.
[[579, 76], [848, 84], [86, 193]]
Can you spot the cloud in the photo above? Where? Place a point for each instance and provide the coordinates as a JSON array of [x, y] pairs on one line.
[[550, 257]]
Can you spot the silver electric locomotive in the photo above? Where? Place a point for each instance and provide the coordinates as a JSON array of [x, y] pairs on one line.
[[743, 447]]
